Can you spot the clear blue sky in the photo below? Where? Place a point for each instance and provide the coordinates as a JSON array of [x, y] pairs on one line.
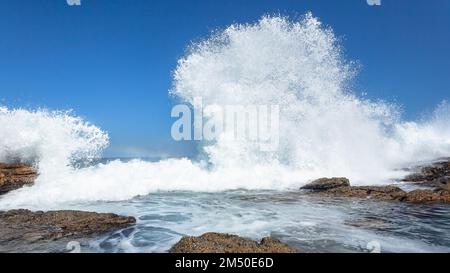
[[111, 60]]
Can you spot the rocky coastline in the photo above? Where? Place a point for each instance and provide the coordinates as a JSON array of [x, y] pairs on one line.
[[331, 187], [24, 227], [19, 228], [434, 179]]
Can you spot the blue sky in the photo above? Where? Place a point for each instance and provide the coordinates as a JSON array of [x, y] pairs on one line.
[[111, 60]]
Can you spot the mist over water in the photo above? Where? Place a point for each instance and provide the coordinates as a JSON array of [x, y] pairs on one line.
[[325, 128]]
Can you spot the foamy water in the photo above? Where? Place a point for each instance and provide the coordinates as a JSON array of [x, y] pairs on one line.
[[325, 128], [310, 225]]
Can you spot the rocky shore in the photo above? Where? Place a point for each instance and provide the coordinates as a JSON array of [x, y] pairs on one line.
[[30, 227], [434, 176], [20, 228], [334, 187], [430, 173], [226, 243]]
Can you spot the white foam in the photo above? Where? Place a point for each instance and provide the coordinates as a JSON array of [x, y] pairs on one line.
[[325, 129], [49, 138]]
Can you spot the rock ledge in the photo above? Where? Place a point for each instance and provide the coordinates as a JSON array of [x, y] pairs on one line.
[[15, 176], [330, 188], [225, 243], [26, 226]]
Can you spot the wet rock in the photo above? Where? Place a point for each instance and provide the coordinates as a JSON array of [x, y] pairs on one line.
[[442, 183], [21, 227], [427, 196], [387, 193], [327, 183], [369, 223], [369, 192], [15, 176], [431, 172], [225, 243]]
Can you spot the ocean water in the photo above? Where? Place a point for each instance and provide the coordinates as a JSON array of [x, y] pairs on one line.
[[326, 129], [309, 224]]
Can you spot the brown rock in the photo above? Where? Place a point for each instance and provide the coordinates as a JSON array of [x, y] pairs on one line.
[[225, 243], [327, 183], [15, 176], [25, 226], [387, 193], [370, 192], [426, 196]]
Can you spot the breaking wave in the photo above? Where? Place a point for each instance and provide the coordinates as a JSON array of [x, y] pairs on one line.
[[325, 128]]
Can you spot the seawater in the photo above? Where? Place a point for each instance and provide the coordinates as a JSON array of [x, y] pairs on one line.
[[326, 129]]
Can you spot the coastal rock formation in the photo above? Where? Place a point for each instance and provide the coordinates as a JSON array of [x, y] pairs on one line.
[[27, 227], [225, 243], [370, 192], [15, 176], [327, 183], [426, 196], [431, 173], [329, 188], [442, 183]]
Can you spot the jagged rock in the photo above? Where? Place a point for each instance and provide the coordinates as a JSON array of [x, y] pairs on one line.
[[15, 176], [442, 183], [25, 227], [225, 243], [327, 183]]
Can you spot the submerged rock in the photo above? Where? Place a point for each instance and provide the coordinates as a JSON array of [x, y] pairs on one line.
[[27, 227], [15, 176], [369, 223], [225, 243], [327, 183]]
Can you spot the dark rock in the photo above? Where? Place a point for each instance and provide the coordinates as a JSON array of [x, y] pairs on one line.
[[15, 176], [225, 243], [26, 227], [430, 173], [327, 183], [442, 183]]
